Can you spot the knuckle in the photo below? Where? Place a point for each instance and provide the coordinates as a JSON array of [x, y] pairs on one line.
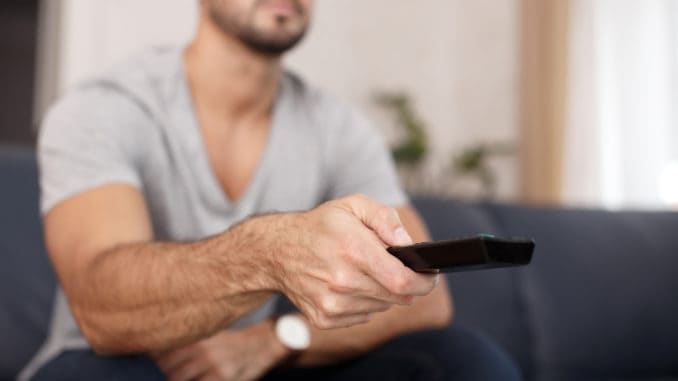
[[387, 214], [340, 281], [381, 213], [351, 252], [329, 306], [402, 285]]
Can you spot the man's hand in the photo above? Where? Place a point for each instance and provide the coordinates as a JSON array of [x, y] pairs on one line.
[[229, 355], [332, 263]]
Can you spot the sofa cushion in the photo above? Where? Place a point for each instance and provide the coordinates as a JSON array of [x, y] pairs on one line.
[[597, 302], [601, 291], [27, 281]]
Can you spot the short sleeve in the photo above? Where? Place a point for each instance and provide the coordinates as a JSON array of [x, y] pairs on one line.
[[88, 139], [360, 162]]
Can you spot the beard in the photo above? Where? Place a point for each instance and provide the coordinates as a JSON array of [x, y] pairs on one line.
[[284, 36]]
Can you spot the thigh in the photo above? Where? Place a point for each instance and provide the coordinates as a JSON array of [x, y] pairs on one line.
[[87, 365], [452, 353], [459, 354], [375, 366]]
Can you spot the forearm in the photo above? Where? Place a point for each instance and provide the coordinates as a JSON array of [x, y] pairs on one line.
[[131, 296], [154, 296], [332, 346]]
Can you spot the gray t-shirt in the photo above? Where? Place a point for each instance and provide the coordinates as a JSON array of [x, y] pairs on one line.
[[137, 126]]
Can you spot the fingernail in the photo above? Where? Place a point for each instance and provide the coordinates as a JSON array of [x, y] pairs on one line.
[[402, 238], [436, 279]]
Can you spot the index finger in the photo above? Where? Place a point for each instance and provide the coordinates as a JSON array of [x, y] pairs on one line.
[[390, 272]]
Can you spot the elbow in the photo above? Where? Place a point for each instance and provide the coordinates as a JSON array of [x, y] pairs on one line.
[[93, 333], [100, 345], [101, 336]]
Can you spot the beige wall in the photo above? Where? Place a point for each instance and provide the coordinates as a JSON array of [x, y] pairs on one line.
[[457, 58]]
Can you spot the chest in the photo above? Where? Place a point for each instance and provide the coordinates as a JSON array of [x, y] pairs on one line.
[[234, 154], [206, 179]]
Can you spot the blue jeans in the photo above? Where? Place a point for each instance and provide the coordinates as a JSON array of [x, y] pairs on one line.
[[444, 354]]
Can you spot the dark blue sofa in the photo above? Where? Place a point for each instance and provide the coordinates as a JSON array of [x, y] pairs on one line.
[[599, 301]]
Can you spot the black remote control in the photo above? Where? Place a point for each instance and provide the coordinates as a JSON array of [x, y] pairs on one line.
[[483, 251]]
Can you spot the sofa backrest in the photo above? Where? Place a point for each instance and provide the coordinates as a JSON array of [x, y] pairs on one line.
[[597, 302], [27, 281]]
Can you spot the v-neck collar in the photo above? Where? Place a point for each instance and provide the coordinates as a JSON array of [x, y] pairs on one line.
[[211, 190]]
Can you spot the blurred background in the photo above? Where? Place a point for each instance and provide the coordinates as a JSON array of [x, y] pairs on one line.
[[559, 102]]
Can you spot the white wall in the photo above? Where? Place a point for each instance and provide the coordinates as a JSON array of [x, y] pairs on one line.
[[622, 140], [457, 58], [96, 34]]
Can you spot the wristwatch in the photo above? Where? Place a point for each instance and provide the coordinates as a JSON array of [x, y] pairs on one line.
[[293, 332]]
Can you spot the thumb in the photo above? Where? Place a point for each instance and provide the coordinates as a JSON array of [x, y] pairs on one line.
[[382, 219]]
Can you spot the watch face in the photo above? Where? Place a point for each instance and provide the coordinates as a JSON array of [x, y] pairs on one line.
[[293, 332]]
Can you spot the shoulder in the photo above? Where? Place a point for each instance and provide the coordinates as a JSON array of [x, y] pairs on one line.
[[96, 117], [150, 77], [325, 109], [133, 89], [94, 109], [121, 102]]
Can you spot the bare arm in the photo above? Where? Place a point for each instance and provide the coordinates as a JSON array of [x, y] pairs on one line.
[[433, 310], [129, 294]]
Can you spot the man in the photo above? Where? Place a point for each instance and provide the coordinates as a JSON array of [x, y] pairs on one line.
[[188, 188]]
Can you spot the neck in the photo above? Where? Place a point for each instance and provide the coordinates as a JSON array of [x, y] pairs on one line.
[[228, 79]]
